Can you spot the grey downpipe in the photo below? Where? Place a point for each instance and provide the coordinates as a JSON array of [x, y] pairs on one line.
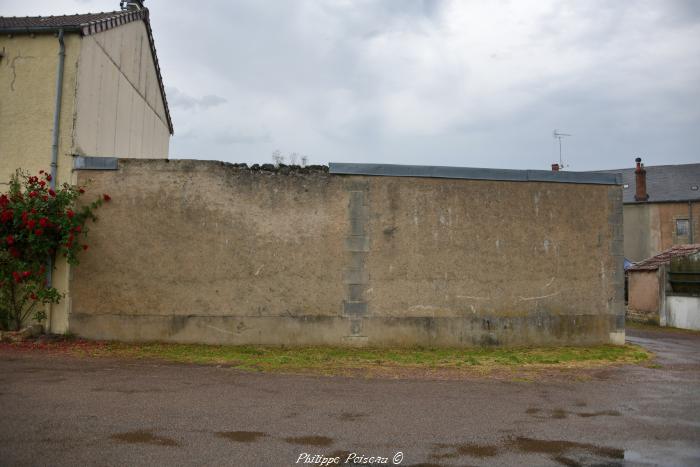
[[54, 139], [57, 108], [690, 221]]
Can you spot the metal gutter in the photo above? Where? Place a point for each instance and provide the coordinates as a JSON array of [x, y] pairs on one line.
[[54, 138], [469, 173], [39, 29], [95, 163]]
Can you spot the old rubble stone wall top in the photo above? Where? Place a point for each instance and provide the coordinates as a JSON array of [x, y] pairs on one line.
[[193, 251]]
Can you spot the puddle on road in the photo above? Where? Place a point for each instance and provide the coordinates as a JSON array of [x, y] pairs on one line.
[[561, 450], [241, 436], [126, 391], [144, 437], [310, 440], [560, 413], [451, 451], [609, 413], [568, 453], [351, 416]]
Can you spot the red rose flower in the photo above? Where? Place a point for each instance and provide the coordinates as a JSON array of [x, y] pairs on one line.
[[48, 177], [38, 232], [80, 190], [85, 247], [17, 276], [106, 197], [10, 239], [70, 213], [31, 224], [43, 222], [52, 193], [33, 194]]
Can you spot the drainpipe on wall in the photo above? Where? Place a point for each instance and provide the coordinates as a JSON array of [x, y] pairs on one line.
[[640, 174], [690, 221], [54, 139]]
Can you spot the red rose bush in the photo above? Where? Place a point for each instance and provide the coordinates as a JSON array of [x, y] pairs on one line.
[[37, 223]]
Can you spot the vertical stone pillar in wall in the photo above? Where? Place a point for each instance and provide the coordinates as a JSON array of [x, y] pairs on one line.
[[617, 252], [357, 245]]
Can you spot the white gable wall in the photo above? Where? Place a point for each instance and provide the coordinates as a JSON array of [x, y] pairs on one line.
[[119, 107]]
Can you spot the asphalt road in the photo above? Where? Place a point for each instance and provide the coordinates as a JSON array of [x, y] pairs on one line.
[[57, 410]]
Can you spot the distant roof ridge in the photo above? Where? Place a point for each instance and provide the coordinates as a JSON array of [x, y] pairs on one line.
[[646, 167], [669, 183], [88, 24]]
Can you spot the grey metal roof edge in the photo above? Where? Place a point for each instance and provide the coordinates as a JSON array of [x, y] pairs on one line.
[[95, 163], [473, 173], [665, 201]]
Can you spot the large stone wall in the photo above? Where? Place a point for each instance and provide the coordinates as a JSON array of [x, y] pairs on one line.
[[192, 251]]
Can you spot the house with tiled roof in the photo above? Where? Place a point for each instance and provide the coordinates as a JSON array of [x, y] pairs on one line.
[[661, 206], [665, 288], [80, 85]]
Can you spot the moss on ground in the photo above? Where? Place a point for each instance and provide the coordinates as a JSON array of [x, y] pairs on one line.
[[336, 360]]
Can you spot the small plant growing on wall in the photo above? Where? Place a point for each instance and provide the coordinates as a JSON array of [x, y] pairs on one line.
[[37, 223]]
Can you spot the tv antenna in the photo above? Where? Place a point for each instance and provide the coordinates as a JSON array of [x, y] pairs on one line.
[[560, 136]]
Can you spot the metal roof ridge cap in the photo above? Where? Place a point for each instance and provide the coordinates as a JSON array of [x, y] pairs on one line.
[[472, 173]]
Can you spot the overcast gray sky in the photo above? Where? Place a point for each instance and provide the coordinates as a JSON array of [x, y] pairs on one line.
[[469, 83]]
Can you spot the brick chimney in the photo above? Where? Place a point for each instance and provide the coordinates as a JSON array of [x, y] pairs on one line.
[[640, 176], [555, 167]]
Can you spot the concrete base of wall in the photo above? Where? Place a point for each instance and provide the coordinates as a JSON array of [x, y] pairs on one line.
[[545, 330]]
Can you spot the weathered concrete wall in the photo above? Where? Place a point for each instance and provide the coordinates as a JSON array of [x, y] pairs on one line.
[[650, 228], [193, 251], [120, 110], [644, 296]]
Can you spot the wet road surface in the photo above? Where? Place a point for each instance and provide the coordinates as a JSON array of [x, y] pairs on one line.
[[59, 410]]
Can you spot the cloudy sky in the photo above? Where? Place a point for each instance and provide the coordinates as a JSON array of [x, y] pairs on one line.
[[469, 83]]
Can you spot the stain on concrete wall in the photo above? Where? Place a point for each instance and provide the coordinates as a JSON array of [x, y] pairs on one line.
[[192, 251]]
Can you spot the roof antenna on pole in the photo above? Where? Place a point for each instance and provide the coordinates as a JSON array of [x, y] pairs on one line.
[[131, 5], [559, 136]]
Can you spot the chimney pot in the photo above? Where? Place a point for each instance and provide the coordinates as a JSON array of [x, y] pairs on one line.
[[555, 167], [640, 176]]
